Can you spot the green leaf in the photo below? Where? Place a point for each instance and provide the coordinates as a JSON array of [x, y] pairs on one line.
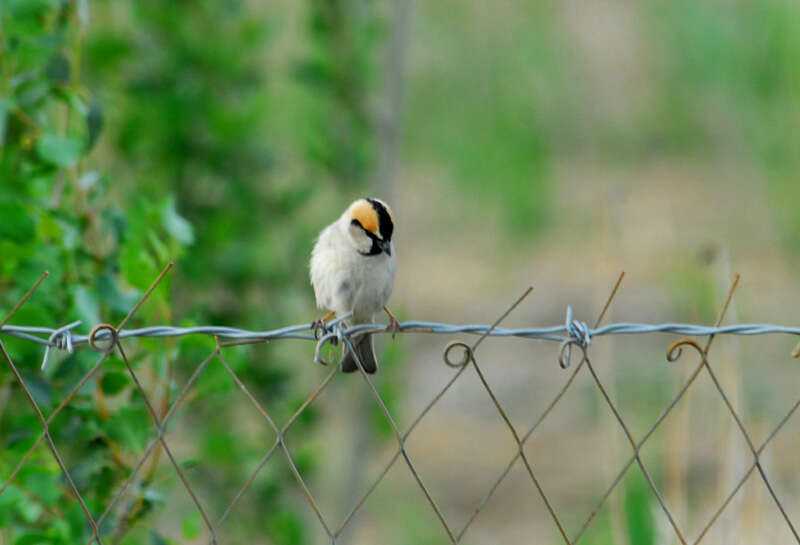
[[60, 151], [88, 180], [190, 527], [111, 293], [175, 224], [61, 531], [11, 497], [29, 510], [43, 483], [40, 389], [83, 11], [156, 539], [153, 496], [29, 8], [285, 527], [191, 463], [138, 267], [94, 122], [58, 70], [71, 236], [34, 539], [49, 228], [77, 523], [33, 95], [87, 305], [5, 107], [102, 482], [16, 224], [113, 382], [130, 426]]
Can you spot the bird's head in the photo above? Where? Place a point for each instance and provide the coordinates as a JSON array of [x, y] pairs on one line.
[[370, 225]]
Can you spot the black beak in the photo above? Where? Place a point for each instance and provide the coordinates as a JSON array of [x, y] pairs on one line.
[[386, 246]]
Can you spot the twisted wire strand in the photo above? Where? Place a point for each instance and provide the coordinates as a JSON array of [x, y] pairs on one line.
[[577, 332], [571, 332], [51, 337]]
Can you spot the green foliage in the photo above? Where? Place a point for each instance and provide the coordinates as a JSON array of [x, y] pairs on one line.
[[339, 70], [190, 123], [183, 125], [194, 162], [192, 120], [190, 527], [57, 214], [288, 526]]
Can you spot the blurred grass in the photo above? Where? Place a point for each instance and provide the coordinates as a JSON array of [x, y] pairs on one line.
[[480, 103], [729, 85]]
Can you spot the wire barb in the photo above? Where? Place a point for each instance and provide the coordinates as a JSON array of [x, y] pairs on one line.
[[60, 339]]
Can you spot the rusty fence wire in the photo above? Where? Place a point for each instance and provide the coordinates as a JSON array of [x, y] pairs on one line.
[[573, 336]]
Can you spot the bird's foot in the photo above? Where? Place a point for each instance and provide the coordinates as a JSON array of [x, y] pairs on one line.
[[394, 325], [319, 327]]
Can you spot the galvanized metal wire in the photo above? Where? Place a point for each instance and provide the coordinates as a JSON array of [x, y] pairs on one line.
[[64, 338], [573, 334]]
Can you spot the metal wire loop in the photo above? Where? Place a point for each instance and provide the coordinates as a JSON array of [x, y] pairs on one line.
[[466, 354], [565, 352], [330, 338], [675, 350], [106, 333]]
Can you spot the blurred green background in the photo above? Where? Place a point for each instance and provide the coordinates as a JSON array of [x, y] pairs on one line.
[[545, 143]]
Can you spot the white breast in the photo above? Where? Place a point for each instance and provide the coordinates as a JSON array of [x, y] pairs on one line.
[[345, 281]]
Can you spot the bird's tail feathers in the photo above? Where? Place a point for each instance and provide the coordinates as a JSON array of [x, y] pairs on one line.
[[365, 353]]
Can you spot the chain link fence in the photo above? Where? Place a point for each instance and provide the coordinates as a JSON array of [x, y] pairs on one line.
[[574, 337]]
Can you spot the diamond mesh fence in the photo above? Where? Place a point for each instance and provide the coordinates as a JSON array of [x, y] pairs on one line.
[[575, 355]]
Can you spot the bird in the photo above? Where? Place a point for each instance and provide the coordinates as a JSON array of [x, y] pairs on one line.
[[352, 270]]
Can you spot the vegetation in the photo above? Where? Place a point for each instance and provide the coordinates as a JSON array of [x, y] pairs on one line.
[[58, 215], [180, 122]]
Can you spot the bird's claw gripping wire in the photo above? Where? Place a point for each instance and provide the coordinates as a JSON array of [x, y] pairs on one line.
[[319, 325], [319, 328], [394, 325], [334, 335]]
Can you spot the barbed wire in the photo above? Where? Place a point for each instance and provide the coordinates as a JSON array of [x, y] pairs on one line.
[[575, 331], [106, 339]]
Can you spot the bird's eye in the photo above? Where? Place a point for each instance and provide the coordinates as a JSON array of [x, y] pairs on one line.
[[356, 222]]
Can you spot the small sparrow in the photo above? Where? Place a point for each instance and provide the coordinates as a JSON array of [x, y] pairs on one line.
[[352, 270]]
